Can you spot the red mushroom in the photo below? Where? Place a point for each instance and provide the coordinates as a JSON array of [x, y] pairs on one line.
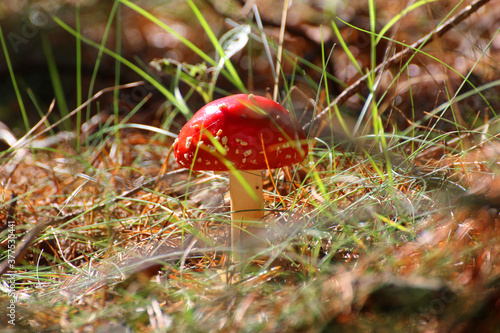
[[242, 134]]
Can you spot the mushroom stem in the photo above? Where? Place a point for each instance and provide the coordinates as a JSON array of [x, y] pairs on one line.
[[246, 210]]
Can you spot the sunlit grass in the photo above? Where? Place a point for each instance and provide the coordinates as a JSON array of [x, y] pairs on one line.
[[145, 244]]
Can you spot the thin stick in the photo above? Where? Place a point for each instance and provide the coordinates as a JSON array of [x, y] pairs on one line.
[[279, 54], [401, 56]]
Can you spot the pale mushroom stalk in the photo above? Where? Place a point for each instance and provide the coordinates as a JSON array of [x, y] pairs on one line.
[[246, 209]]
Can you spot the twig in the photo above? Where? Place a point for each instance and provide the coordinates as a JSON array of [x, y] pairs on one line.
[[401, 56]]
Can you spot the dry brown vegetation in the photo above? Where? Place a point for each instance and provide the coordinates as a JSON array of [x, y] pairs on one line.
[[391, 225]]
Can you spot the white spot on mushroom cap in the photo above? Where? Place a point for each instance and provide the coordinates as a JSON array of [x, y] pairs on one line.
[[224, 140], [241, 142], [188, 141], [247, 152], [219, 132]]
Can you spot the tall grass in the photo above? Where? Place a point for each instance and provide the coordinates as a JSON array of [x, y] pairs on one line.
[[14, 80], [124, 211]]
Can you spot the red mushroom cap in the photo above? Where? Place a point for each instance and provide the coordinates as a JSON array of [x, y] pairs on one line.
[[244, 130]]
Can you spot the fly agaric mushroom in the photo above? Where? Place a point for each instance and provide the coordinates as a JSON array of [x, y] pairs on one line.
[[242, 134]]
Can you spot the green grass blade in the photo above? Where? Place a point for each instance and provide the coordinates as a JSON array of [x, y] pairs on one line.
[[171, 98], [158, 22], [399, 16], [235, 78], [392, 223], [373, 50], [348, 52], [101, 49], [232, 75], [56, 81], [79, 96], [14, 81], [116, 93]]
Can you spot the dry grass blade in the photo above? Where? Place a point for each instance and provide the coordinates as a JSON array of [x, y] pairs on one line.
[[28, 239], [277, 74]]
